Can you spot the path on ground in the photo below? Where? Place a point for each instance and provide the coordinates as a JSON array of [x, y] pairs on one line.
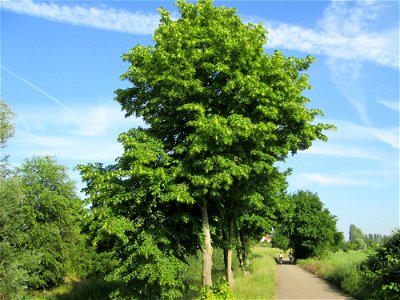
[[295, 283]]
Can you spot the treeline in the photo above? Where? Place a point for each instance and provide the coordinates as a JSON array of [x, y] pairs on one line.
[[360, 241]]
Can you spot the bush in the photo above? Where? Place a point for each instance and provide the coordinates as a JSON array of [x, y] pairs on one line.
[[220, 290], [381, 271]]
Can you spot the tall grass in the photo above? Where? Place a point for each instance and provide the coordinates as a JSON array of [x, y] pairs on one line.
[[342, 269], [261, 283]]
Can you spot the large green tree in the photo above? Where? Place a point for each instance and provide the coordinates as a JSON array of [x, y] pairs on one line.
[[310, 228], [222, 107], [51, 214]]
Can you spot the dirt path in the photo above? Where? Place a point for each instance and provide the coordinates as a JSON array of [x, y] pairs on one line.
[[295, 283]]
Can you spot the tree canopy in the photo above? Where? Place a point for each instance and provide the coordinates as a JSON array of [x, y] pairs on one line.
[[309, 227]]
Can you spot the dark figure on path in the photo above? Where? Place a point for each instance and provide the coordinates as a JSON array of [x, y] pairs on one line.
[[280, 258]]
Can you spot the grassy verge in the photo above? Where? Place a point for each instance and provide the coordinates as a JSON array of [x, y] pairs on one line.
[[261, 283], [340, 269]]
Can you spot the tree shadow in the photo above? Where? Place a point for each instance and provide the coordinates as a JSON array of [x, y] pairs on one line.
[[90, 289]]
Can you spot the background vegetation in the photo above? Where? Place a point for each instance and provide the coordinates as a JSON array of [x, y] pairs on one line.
[[367, 274]]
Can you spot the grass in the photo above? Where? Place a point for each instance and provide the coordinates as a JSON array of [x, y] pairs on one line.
[[259, 284], [340, 269]]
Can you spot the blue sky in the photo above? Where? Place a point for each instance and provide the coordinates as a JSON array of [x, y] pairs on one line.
[[60, 63]]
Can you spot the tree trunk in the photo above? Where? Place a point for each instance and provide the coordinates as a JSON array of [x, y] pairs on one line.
[[245, 259], [229, 273], [228, 265], [239, 255], [207, 248]]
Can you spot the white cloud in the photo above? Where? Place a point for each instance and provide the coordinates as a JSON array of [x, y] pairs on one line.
[[74, 148], [97, 17], [367, 177], [388, 136], [101, 119], [305, 179], [393, 105], [353, 132], [342, 150], [349, 34], [85, 133], [343, 33]]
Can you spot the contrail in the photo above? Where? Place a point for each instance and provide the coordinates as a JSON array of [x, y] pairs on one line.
[[54, 99]]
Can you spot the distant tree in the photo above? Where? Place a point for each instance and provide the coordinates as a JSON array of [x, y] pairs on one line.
[[378, 238], [6, 131], [280, 240], [310, 227], [381, 271], [51, 214], [6, 125], [355, 233], [357, 239]]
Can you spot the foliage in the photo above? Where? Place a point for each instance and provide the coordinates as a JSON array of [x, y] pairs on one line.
[[6, 131], [360, 241], [51, 214], [16, 266], [139, 213], [357, 239], [364, 275], [280, 239], [381, 271], [6, 125], [310, 227], [219, 291]]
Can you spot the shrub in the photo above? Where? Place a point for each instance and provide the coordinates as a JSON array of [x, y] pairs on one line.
[[381, 271], [220, 290]]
